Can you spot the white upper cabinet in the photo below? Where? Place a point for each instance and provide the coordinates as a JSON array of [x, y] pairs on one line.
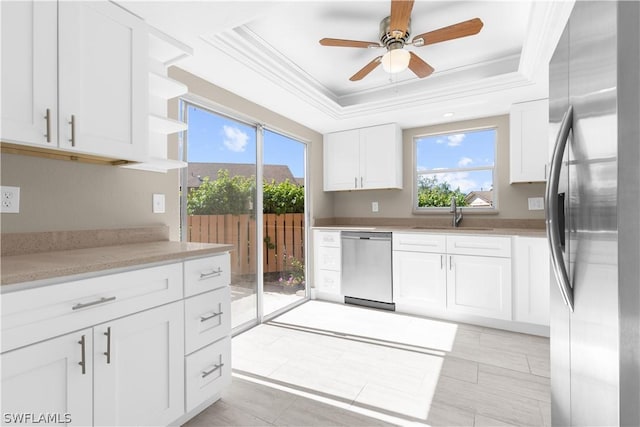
[[103, 80], [529, 141], [78, 78], [29, 76], [363, 159]]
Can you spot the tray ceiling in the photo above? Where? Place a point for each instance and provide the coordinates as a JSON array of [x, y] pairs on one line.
[[268, 52]]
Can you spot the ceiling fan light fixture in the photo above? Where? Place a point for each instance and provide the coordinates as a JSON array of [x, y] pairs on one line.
[[396, 60]]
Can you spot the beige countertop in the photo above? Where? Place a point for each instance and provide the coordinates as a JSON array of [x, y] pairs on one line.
[[59, 263], [498, 231]]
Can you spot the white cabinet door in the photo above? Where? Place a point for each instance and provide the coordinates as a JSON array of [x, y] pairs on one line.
[[139, 370], [47, 378], [479, 286], [342, 160], [419, 279], [29, 72], [363, 159], [380, 157], [529, 141], [532, 280], [103, 80]]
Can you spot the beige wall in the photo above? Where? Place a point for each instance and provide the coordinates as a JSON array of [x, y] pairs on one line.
[[320, 203], [65, 195], [398, 203]]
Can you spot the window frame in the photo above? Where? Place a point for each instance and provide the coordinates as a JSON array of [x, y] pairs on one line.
[[440, 210]]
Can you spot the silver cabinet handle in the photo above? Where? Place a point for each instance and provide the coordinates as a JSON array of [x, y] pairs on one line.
[[211, 273], [551, 210], [441, 262], [361, 183], [89, 304], [73, 130], [205, 374], [47, 117], [108, 352], [355, 182], [450, 262], [205, 318], [82, 361]]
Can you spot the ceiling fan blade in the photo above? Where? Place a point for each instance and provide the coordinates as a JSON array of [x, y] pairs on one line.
[[366, 69], [400, 15], [348, 43], [455, 31], [419, 67]]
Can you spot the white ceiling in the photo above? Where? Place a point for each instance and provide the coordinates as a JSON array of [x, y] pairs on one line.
[[268, 52]]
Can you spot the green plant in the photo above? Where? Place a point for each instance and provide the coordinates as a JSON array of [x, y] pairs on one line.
[[432, 193], [292, 272], [284, 197], [224, 195]]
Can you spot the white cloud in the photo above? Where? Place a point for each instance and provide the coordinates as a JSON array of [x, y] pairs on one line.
[[455, 140], [465, 161], [440, 141], [235, 139], [459, 180]]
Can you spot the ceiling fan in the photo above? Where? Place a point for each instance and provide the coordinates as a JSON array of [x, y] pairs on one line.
[[394, 36]]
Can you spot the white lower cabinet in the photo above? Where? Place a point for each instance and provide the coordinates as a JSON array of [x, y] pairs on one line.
[[479, 286], [208, 372], [464, 277], [128, 365], [328, 264], [46, 379], [531, 279], [419, 279], [138, 368]]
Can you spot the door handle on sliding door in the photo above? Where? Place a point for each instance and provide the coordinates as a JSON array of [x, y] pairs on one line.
[[552, 210]]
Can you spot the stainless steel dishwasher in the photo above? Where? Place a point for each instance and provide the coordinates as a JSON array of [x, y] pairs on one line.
[[366, 269]]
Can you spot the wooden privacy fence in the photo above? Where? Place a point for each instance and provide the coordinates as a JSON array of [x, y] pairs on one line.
[[283, 237]]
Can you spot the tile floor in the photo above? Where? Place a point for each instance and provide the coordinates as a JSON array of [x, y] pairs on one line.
[[327, 364]]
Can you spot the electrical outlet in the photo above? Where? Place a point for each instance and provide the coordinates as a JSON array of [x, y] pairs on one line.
[[158, 203], [10, 201], [536, 203], [374, 207]]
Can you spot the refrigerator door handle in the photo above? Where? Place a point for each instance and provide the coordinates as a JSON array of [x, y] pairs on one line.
[[552, 210]]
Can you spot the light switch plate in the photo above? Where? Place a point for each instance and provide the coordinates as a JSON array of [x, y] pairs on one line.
[[536, 203], [158, 203], [374, 207], [10, 199]]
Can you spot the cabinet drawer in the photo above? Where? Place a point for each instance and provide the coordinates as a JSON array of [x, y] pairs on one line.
[[207, 318], [207, 372], [328, 259], [40, 313], [419, 242], [328, 239], [328, 281], [206, 274], [479, 245]]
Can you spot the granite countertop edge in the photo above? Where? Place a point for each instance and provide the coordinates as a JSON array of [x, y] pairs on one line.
[[43, 266]]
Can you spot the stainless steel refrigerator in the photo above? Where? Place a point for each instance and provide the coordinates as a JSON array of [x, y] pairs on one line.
[[592, 209]]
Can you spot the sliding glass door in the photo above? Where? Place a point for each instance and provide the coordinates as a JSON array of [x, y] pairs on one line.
[[223, 203], [283, 198]]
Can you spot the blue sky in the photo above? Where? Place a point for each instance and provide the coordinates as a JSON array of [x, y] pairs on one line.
[[459, 151], [217, 139]]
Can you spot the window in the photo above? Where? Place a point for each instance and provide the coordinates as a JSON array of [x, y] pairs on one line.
[[459, 165]]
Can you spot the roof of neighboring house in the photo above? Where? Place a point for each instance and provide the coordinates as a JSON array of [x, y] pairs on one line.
[[197, 171], [479, 198]]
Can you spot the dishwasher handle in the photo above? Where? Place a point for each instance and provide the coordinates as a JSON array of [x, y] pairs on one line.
[[355, 235]]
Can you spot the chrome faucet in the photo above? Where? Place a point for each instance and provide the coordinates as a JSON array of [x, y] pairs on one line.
[[457, 213]]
